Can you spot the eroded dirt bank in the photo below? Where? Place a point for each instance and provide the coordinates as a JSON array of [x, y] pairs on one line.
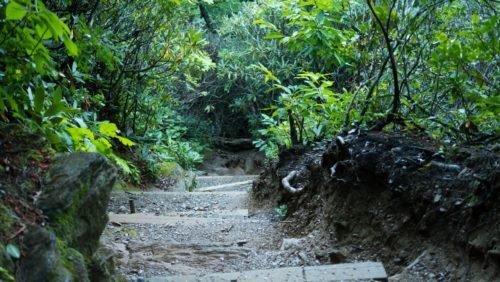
[[427, 215]]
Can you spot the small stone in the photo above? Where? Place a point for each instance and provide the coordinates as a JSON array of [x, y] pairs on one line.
[[240, 243], [290, 244], [437, 198], [303, 256]]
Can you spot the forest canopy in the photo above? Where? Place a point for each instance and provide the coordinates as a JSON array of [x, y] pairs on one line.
[[144, 82]]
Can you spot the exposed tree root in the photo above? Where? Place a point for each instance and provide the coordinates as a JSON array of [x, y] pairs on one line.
[[286, 183]]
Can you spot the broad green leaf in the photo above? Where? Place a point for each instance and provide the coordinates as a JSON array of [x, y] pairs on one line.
[[122, 164], [15, 11], [125, 141], [70, 46], [108, 129], [102, 145], [78, 135]]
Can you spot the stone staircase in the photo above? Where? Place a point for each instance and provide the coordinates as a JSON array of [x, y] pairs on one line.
[[210, 235]]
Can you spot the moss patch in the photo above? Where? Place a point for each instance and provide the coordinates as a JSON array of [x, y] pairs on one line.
[[63, 223], [170, 170], [72, 261]]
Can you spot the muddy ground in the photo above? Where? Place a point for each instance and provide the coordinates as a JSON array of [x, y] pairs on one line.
[[427, 212]]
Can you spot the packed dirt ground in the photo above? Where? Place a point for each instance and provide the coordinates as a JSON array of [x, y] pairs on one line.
[[429, 213]]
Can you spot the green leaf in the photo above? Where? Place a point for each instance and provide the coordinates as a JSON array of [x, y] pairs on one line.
[[265, 24], [475, 18], [13, 251], [78, 135], [109, 129], [102, 145], [54, 23], [70, 46], [125, 141], [122, 164], [274, 35], [15, 11], [39, 99], [57, 104]]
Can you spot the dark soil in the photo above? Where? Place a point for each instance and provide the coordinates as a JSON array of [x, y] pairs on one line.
[[428, 215]]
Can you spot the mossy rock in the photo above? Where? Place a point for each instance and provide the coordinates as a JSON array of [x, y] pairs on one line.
[[75, 198], [102, 266], [171, 170], [49, 259]]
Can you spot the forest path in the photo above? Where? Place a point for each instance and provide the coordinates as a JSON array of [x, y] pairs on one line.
[[212, 236]]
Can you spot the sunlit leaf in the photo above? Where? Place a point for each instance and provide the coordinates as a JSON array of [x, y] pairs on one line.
[[15, 11]]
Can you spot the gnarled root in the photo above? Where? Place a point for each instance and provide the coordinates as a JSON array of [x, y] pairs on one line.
[[286, 183]]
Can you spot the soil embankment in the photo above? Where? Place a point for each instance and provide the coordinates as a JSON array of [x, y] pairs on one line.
[[427, 214]]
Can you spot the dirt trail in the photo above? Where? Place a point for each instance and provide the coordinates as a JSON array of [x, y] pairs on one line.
[[213, 236]]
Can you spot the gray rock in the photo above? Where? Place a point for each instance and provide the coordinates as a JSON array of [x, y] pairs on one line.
[[75, 199], [49, 260], [122, 209], [292, 244], [102, 266]]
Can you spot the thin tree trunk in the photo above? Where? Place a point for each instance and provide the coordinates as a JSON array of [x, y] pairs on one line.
[[397, 94], [293, 129], [206, 17]]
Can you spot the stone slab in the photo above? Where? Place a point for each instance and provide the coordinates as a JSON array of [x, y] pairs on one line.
[[225, 186], [288, 274], [167, 202], [362, 271], [144, 218], [347, 272]]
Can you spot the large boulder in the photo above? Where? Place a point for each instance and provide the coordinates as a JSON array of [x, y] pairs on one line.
[[75, 198]]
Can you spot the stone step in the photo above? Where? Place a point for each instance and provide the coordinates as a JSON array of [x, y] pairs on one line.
[[195, 231], [228, 187], [206, 181], [168, 202], [202, 213], [362, 271], [147, 218]]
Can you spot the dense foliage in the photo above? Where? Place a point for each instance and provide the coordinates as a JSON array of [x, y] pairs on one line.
[[79, 75], [145, 82]]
